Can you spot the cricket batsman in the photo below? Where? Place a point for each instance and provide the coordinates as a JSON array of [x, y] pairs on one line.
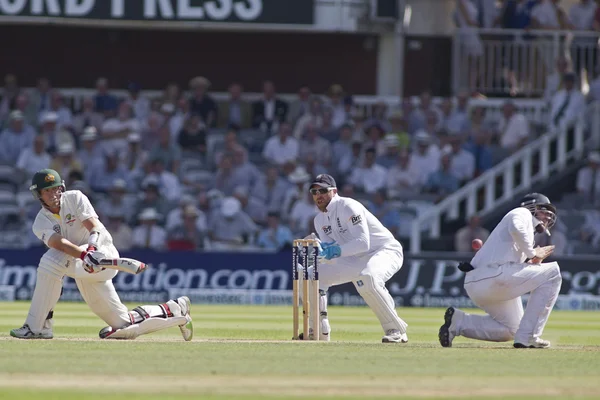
[[77, 241], [362, 251], [498, 275]]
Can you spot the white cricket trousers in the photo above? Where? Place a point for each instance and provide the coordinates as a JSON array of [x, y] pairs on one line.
[[97, 289], [498, 290], [369, 275]]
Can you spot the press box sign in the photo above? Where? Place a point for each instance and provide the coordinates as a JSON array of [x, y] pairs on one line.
[[241, 11]]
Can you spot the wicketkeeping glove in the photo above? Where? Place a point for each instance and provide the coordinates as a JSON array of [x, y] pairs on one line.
[[332, 251]]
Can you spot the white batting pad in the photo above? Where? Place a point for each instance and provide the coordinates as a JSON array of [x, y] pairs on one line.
[[147, 326], [45, 296], [381, 302]]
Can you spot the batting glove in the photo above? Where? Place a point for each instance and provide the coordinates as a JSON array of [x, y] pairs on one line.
[[333, 251], [91, 262]]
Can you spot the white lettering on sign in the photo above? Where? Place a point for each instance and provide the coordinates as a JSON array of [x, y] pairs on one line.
[[186, 10], [37, 7], [118, 8], [165, 9], [12, 6], [219, 9], [249, 11], [78, 8]]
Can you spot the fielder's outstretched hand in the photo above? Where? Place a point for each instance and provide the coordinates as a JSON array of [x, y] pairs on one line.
[[541, 253]]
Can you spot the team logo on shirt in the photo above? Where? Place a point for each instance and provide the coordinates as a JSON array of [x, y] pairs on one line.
[[70, 220], [56, 228], [327, 229], [355, 219]]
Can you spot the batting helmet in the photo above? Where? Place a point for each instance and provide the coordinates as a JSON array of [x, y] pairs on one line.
[[45, 179], [538, 202]]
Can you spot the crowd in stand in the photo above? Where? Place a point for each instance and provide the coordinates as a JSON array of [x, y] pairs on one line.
[[183, 171]]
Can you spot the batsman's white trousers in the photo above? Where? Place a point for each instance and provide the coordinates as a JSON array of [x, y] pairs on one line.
[[97, 289], [369, 275], [498, 290]]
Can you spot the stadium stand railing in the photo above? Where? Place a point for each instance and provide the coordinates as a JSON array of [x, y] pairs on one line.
[[549, 154]]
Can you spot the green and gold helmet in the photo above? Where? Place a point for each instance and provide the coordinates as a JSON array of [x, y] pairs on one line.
[[45, 179]]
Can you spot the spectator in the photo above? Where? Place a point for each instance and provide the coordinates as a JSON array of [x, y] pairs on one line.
[[297, 179], [463, 162], [315, 145], [231, 144], [232, 228], [467, 19], [269, 112], [588, 179], [380, 117], [105, 102], [169, 153], [369, 177], [188, 234], [54, 136], [87, 117], [16, 138], [303, 213], [121, 233], [270, 190], [177, 120], [91, 151], [117, 201], [375, 134], [566, 105], [300, 106], [65, 117], [516, 14], [479, 120], [392, 149], [312, 167], [115, 130], [135, 158], [335, 96], [150, 198], [328, 130], [102, 180], [350, 160], [442, 182], [138, 103], [150, 130], [479, 147], [244, 168], [192, 137], [313, 116], [170, 188], [9, 95], [398, 123], [202, 103], [418, 115], [426, 157], [465, 235], [236, 112], [403, 179], [358, 124], [547, 15], [513, 128], [342, 148], [34, 158], [250, 205], [40, 96], [281, 148], [171, 94], [388, 215], [275, 236], [227, 177], [583, 47], [554, 81], [65, 160], [30, 116], [148, 235]]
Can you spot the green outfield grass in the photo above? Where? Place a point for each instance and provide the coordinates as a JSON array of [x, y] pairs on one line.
[[244, 352]]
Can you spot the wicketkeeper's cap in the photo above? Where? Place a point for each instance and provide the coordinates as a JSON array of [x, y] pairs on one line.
[[324, 181]]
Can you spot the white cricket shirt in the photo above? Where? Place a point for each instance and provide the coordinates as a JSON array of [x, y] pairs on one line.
[[354, 228], [511, 240], [75, 207]]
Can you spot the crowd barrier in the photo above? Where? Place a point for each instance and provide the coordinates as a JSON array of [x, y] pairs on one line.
[[431, 280]]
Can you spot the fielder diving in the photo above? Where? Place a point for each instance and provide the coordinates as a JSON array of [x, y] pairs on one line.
[[498, 275], [78, 246], [360, 250]]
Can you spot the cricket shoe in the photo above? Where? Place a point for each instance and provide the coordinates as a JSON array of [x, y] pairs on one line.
[[394, 336], [25, 332], [187, 329], [451, 317], [536, 343]]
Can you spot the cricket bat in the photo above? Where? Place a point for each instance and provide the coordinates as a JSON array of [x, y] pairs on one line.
[[124, 264]]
